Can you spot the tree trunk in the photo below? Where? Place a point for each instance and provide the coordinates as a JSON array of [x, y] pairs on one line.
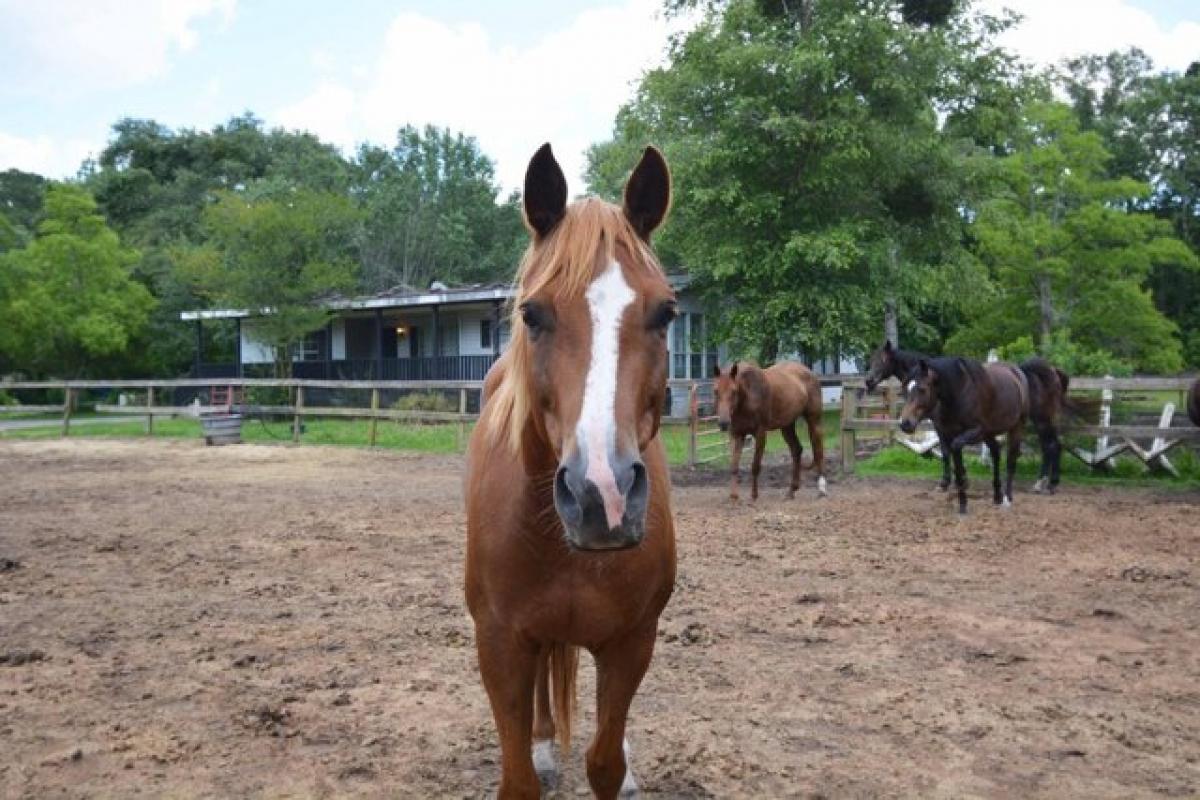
[[891, 323], [1045, 308]]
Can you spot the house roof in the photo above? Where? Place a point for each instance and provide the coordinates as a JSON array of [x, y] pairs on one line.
[[400, 297]]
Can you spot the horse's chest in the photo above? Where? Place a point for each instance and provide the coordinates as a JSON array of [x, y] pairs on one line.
[[587, 605]]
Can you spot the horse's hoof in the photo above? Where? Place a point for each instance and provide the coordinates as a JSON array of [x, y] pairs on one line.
[[822, 489], [945, 487], [1006, 505], [545, 765]]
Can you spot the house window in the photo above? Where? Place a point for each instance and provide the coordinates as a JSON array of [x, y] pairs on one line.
[[505, 334], [691, 357], [309, 349], [678, 336], [485, 334]]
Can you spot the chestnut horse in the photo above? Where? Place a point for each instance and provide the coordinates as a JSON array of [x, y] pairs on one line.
[[753, 401], [970, 403], [570, 541]]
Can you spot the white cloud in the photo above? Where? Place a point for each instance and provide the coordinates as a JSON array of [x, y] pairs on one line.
[[565, 88], [46, 156], [1058, 29], [68, 47]]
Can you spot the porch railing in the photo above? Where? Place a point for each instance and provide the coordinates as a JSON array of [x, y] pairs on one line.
[[437, 368]]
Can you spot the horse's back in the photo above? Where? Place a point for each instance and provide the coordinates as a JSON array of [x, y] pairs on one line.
[[794, 390], [1009, 395]]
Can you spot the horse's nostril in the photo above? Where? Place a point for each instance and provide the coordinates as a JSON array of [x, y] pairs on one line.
[[564, 498]]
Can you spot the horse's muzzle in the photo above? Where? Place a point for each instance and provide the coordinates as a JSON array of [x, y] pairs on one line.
[[584, 514], [907, 425]]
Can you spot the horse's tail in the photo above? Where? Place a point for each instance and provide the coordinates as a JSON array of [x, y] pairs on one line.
[[564, 665]]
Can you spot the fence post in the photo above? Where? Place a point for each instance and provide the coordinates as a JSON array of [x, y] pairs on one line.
[[693, 422], [68, 401], [849, 442], [297, 409], [888, 399], [374, 420], [462, 423], [150, 411]]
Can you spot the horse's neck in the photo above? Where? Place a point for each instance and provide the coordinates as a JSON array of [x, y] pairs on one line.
[[903, 362]]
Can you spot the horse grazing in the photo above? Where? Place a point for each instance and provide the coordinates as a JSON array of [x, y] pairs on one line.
[[570, 541], [970, 402], [1047, 400], [753, 401]]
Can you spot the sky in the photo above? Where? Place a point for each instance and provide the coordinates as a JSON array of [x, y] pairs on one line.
[[513, 75]]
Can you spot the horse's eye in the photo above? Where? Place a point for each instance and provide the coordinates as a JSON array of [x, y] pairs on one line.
[[535, 317], [663, 316]]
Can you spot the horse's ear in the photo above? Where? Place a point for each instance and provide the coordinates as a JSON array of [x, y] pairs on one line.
[[648, 193], [887, 346], [545, 192], [923, 366], [733, 370]]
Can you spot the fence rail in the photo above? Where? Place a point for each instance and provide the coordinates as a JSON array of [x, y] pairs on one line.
[[705, 442]]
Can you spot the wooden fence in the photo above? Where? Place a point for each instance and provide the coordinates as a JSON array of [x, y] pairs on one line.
[[705, 442]]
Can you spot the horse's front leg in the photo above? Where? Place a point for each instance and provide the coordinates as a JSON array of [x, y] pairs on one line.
[[736, 444], [544, 762], [509, 669], [760, 444], [619, 670]]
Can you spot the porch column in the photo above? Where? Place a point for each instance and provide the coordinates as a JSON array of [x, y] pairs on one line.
[[237, 345], [379, 344], [328, 350], [199, 347], [496, 329]]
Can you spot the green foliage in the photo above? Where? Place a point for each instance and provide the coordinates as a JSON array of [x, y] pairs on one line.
[[68, 298], [1065, 253], [431, 213], [21, 198], [426, 401], [1068, 355], [814, 183], [281, 255]]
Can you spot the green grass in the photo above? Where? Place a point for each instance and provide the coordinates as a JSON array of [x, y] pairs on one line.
[[390, 434], [898, 461]]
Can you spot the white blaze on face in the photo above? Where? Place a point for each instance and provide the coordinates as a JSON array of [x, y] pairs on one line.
[[596, 434], [912, 386]]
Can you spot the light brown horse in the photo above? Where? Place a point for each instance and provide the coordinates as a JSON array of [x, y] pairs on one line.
[[569, 536], [753, 401]]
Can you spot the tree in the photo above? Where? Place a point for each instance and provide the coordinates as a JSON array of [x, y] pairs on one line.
[[1150, 122], [68, 298], [815, 186], [277, 256], [21, 197], [1067, 254], [431, 212]]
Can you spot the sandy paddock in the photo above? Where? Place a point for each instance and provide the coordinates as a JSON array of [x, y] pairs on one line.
[[276, 621]]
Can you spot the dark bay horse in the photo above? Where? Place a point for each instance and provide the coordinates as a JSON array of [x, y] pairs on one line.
[[1193, 403], [970, 403], [1048, 399], [570, 541], [753, 401]]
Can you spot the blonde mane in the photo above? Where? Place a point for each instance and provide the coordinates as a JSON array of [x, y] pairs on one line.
[[583, 243]]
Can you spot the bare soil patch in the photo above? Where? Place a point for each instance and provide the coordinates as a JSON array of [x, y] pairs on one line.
[[259, 621]]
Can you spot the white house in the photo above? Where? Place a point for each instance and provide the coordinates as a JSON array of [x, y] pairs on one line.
[[445, 333]]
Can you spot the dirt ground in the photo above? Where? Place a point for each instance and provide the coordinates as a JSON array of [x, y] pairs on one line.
[[288, 622]]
